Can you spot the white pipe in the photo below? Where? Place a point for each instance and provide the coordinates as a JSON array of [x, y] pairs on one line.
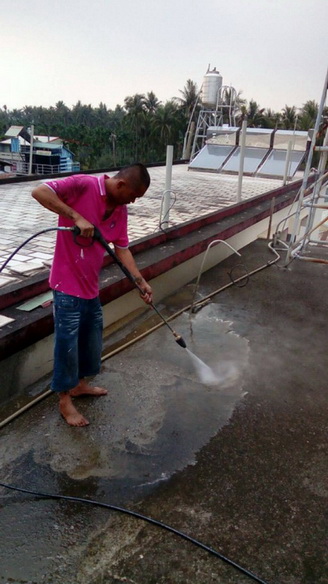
[[294, 252], [242, 157], [164, 220], [204, 259], [320, 241], [288, 155], [31, 150]]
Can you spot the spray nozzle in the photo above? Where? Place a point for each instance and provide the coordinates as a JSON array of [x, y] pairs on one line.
[[180, 340]]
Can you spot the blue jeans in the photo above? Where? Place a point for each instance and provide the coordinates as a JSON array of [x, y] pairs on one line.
[[78, 340]]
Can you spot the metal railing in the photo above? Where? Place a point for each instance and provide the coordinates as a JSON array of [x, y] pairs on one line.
[[23, 168]]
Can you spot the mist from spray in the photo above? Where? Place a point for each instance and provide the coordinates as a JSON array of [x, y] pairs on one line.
[[221, 374]]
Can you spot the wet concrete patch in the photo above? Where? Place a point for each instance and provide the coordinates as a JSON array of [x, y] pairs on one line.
[[157, 407], [247, 475], [156, 417]]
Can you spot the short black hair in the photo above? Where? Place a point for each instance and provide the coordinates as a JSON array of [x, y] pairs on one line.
[[136, 173]]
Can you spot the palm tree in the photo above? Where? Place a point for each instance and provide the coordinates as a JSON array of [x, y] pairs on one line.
[[135, 104], [232, 101], [151, 102], [63, 113], [190, 98], [272, 119], [83, 115], [289, 117], [168, 126], [308, 115], [4, 120], [136, 109], [253, 113]]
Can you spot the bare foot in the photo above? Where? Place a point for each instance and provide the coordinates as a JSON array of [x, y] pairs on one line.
[[69, 412], [83, 388]]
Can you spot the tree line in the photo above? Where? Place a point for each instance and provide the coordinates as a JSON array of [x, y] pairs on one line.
[[141, 128]]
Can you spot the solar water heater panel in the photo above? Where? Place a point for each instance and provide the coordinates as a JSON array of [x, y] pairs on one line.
[[276, 163], [211, 157], [252, 160]]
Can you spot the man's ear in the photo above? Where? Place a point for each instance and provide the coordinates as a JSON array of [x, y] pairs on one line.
[[120, 183]]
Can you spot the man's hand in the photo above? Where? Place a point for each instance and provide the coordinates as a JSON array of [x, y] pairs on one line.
[[86, 228], [146, 292], [127, 259]]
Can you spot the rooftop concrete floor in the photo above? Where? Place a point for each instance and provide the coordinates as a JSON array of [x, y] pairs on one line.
[[194, 194], [240, 465]]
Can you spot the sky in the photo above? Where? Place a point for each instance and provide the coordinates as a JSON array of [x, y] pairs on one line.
[[273, 51]]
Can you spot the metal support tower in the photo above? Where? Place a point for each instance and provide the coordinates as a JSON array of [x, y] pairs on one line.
[[313, 196], [225, 108]]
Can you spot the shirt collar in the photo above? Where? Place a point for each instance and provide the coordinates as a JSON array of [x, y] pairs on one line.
[[101, 183]]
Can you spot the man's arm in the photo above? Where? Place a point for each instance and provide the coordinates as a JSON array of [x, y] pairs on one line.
[[50, 200], [126, 257]]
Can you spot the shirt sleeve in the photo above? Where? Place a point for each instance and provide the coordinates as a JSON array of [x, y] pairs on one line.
[[122, 239], [67, 189]]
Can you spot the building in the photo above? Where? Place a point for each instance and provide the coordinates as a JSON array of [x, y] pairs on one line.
[[50, 154]]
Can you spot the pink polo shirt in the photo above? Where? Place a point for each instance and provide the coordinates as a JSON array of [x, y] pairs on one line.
[[75, 269]]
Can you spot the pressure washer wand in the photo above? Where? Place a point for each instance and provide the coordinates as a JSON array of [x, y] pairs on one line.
[[97, 236]]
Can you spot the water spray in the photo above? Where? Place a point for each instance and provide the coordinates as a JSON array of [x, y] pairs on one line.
[[205, 373]]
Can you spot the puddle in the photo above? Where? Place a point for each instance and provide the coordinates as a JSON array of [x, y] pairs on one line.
[[158, 412], [156, 418]]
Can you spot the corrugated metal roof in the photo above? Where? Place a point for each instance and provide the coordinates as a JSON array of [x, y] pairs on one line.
[[14, 131]]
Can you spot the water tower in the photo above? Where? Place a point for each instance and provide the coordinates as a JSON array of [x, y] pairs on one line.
[[218, 103], [211, 87]]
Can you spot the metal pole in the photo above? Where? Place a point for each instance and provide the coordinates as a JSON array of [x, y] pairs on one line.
[[31, 149], [307, 169], [313, 214], [167, 193], [242, 157]]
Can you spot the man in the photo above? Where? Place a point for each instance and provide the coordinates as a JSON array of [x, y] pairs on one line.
[[86, 201]]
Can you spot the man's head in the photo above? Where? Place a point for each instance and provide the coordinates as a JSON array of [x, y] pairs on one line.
[[129, 184]]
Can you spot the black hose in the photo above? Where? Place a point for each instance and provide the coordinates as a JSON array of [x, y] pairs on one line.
[[29, 239], [143, 518]]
